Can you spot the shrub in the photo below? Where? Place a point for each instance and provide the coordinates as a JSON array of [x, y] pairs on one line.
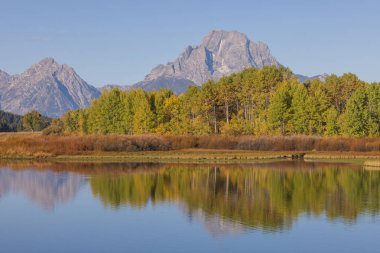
[[34, 143]]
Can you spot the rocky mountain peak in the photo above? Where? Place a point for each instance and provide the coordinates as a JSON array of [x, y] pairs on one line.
[[215, 39], [221, 53], [48, 87], [45, 66], [48, 61]]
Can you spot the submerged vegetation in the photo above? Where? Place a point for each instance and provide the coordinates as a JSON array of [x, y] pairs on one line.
[[259, 102]]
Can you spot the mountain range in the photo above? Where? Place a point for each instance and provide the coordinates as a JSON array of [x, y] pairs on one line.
[[52, 89]]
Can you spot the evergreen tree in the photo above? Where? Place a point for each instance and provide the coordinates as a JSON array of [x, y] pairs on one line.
[[10, 122]]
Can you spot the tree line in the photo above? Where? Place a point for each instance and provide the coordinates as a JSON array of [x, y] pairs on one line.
[[10, 122], [32, 121], [267, 101]]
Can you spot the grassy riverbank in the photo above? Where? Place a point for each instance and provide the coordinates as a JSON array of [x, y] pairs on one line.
[[158, 148], [184, 155], [198, 156]]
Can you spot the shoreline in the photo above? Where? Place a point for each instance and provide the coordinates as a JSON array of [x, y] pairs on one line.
[[196, 156], [184, 149]]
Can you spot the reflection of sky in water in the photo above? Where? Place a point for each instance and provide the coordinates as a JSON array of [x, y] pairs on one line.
[[171, 220], [214, 224]]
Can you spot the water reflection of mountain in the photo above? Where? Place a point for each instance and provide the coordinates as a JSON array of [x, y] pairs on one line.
[[46, 188]]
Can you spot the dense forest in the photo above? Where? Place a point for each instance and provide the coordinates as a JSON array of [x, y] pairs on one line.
[[32, 121], [267, 101], [10, 122]]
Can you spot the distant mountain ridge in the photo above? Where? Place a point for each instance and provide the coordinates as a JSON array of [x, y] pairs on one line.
[[303, 79], [48, 87], [113, 86]]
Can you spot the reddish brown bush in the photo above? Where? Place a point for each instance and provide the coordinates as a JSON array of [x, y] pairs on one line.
[[29, 144]]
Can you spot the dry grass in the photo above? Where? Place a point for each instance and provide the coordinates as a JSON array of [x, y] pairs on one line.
[[37, 145], [372, 164]]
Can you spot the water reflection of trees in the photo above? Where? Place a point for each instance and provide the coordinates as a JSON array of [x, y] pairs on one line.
[[260, 198], [266, 196]]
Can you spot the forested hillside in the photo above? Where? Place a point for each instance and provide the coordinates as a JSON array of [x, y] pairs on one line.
[[32, 121], [10, 122], [267, 101]]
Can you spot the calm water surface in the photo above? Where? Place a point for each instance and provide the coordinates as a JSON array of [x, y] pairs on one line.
[[272, 207]]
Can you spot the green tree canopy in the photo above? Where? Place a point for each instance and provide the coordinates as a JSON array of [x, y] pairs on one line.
[[265, 101]]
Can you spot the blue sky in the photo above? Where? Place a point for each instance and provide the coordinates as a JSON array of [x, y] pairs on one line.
[[119, 42]]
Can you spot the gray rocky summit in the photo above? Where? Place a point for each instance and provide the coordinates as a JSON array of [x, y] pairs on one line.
[[221, 53], [48, 87]]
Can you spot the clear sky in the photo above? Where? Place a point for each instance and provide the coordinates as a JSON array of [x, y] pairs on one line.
[[110, 41]]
